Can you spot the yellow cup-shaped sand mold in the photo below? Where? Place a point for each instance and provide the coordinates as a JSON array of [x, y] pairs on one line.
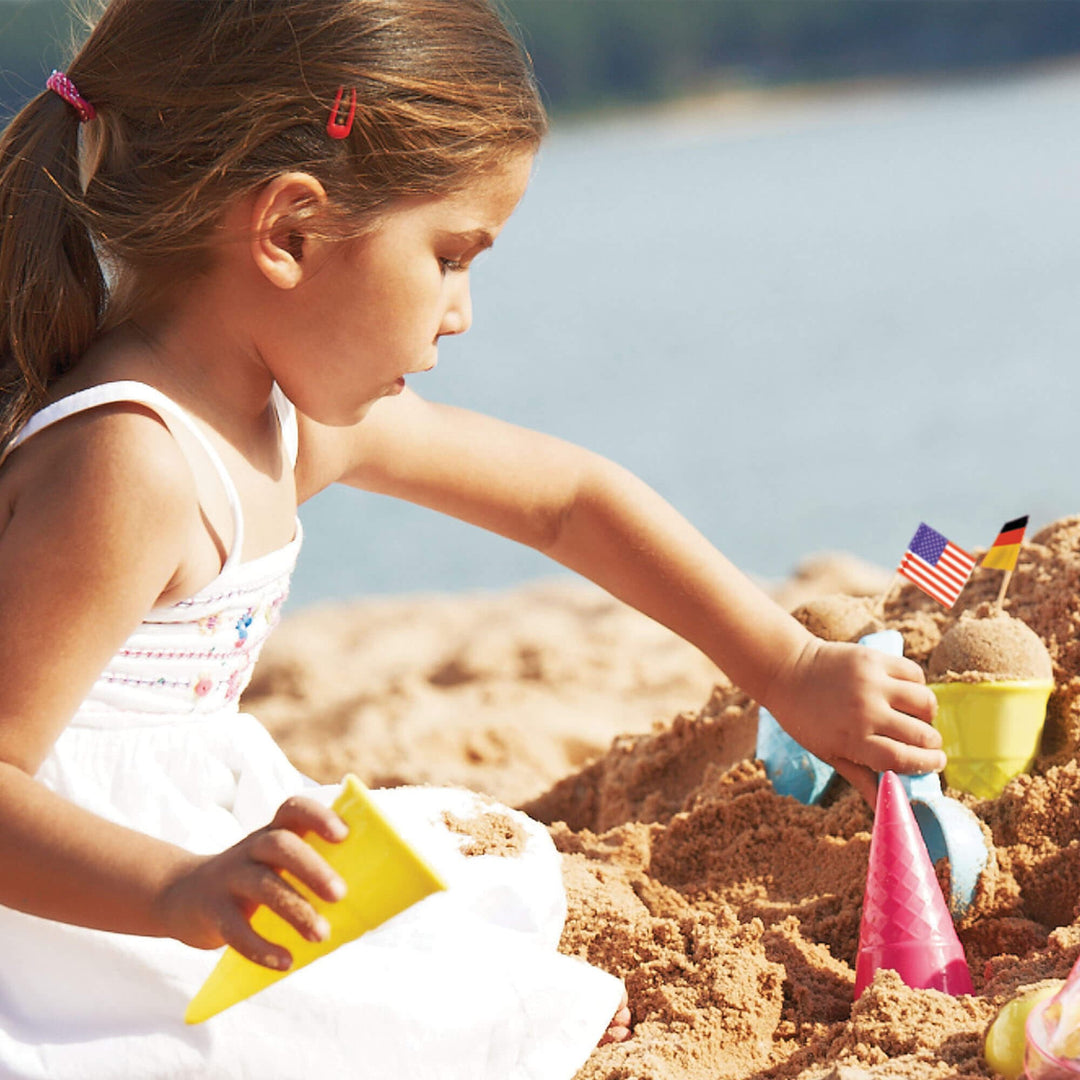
[[1006, 1044], [990, 731], [383, 875]]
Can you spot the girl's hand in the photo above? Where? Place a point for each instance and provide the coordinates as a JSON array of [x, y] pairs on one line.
[[212, 900], [860, 710]]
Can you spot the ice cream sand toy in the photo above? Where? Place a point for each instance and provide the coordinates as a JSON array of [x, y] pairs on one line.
[[383, 875], [992, 677], [906, 925]]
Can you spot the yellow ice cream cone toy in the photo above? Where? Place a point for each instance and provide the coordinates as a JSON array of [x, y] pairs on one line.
[[990, 731], [383, 876]]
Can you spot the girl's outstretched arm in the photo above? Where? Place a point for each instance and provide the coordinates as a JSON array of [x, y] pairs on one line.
[[858, 709], [97, 519]]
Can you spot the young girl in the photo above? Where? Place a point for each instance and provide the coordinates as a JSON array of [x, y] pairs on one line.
[[228, 235]]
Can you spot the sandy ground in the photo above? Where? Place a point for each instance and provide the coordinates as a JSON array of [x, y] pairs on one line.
[[505, 693], [731, 913]]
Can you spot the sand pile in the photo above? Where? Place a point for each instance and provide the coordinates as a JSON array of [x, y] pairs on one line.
[[989, 647], [733, 914], [839, 617], [502, 693]]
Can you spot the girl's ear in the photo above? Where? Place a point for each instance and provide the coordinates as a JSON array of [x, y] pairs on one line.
[[279, 247]]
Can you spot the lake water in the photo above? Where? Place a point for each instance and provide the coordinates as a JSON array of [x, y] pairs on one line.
[[809, 327]]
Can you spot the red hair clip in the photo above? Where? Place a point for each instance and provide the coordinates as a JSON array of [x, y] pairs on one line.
[[335, 128]]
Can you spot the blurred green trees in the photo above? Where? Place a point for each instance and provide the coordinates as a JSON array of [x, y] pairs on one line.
[[590, 52], [597, 52]]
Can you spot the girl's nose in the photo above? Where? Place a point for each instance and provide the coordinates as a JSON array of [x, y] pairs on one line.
[[458, 315]]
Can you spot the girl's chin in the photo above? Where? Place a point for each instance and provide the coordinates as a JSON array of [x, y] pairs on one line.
[[342, 417]]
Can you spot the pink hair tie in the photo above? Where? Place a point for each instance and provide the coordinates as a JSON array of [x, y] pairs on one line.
[[60, 84]]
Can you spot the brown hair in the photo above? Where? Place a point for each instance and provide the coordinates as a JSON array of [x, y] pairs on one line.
[[202, 101]]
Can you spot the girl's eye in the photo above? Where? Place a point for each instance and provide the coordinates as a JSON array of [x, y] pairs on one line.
[[451, 266]]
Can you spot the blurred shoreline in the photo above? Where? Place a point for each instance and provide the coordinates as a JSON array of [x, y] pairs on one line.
[[732, 101]]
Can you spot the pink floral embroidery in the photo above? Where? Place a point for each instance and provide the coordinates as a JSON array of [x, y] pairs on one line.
[[235, 685], [203, 687]]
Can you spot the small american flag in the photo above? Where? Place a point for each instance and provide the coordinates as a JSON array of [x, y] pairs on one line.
[[936, 565]]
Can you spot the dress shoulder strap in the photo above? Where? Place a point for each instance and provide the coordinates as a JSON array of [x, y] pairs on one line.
[[114, 393]]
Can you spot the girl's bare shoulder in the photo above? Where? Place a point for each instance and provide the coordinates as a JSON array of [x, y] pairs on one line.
[[114, 473], [94, 526]]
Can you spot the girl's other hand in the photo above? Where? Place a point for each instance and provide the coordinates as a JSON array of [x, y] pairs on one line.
[[212, 900], [862, 711]]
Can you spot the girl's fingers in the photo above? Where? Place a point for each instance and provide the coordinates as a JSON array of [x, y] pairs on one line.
[[900, 757], [237, 932], [280, 849], [301, 814], [915, 699], [261, 885], [904, 728], [861, 778], [900, 667]]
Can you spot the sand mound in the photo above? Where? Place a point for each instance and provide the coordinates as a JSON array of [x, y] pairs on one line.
[[733, 914], [839, 617], [989, 648], [502, 693]]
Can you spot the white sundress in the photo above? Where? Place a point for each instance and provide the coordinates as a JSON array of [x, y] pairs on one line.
[[465, 985]]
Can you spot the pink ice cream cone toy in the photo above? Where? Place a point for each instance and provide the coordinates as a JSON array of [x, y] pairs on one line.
[[906, 924]]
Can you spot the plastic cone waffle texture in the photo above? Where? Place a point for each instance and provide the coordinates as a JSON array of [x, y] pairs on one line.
[[906, 924], [900, 883]]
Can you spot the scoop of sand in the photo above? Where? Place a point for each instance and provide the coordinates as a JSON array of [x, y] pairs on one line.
[[839, 617], [989, 648]]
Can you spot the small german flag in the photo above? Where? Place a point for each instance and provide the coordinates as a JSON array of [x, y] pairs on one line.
[[1005, 549]]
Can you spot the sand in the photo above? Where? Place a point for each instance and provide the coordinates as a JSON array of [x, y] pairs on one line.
[[839, 617], [731, 913], [988, 646]]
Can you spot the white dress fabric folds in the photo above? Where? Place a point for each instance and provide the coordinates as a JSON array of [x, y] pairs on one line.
[[465, 985]]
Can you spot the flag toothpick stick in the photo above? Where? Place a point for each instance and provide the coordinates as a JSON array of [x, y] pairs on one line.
[[1001, 592], [1003, 554], [878, 610]]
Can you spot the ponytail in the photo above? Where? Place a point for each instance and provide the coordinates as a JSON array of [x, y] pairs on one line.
[[52, 290]]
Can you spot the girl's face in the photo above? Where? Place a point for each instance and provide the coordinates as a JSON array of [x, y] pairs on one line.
[[376, 308]]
